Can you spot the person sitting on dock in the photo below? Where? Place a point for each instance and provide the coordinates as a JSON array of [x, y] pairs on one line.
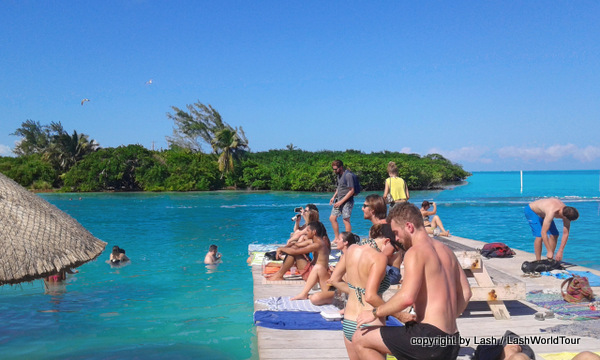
[[319, 273], [292, 254], [435, 222], [303, 215], [434, 284], [366, 280], [541, 214], [299, 235], [375, 210]]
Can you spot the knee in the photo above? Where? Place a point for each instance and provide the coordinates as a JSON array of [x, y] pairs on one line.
[[333, 218]]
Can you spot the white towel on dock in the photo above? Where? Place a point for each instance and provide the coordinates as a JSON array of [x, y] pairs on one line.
[[284, 303]]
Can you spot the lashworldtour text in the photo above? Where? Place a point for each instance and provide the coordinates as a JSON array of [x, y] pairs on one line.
[[525, 340]]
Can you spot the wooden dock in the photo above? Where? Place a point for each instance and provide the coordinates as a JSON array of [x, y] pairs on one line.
[[476, 323]]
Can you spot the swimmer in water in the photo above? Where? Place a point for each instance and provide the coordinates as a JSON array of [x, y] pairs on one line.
[[117, 256], [212, 256]]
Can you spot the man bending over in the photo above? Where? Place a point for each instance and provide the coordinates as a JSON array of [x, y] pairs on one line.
[[541, 214], [434, 283]]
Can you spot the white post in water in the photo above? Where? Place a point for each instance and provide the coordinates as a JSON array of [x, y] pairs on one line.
[[521, 181]]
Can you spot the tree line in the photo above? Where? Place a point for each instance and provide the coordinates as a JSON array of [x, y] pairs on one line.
[[49, 158]]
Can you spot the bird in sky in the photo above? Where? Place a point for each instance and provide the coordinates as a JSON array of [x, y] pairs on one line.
[[84, 100], [149, 82]]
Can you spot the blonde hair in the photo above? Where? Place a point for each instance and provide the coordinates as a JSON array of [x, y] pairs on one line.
[[311, 215], [392, 168]]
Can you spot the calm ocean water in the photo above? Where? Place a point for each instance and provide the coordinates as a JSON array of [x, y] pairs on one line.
[[166, 303]]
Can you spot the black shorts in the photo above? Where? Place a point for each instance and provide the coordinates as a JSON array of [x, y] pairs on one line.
[[420, 341]]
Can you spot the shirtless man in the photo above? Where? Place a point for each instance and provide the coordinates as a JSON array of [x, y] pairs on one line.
[[541, 214], [434, 283], [212, 256], [292, 254], [375, 210]]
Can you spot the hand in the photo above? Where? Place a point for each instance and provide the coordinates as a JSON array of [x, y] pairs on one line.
[[550, 255], [337, 204], [331, 201], [365, 317], [405, 317], [559, 255]]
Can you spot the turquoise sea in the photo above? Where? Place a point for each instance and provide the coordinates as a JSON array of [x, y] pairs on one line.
[[167, 304]]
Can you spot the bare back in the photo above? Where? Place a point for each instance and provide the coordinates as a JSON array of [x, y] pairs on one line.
[[547, 207], [361, 263], [322, 254], [439, 300]]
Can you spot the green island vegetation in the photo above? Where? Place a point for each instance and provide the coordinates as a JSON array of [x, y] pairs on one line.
[[48, 158]]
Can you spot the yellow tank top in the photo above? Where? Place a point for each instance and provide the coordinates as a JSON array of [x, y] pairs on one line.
[[397, 188]]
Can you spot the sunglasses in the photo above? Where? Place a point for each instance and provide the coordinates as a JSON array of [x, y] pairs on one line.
[[335, 169], [365, 206]]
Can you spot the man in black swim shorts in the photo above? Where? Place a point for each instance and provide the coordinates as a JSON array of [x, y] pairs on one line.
[[430, 267]]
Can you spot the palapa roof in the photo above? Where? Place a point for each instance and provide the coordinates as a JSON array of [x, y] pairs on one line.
[[36, 238]]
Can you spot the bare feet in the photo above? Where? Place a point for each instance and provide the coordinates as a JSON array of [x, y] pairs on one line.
[[300, 297], [274, 277], [445, 233]]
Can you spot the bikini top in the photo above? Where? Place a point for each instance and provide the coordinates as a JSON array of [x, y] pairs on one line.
[[371, 243], [385, 284]]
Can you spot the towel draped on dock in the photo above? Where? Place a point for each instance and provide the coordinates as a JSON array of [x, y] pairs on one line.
[[301, 320], [285, 303]]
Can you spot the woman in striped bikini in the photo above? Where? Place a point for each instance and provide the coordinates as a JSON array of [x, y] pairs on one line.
[[366, 280]]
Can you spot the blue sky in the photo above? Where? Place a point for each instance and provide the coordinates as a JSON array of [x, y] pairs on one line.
[[491, 85]]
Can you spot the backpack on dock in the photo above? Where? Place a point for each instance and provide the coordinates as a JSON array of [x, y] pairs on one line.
[[496, 250]]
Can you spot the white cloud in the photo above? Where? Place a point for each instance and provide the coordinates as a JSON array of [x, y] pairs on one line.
[[5, 150], [471, 154], [551, 153], [405, 150]]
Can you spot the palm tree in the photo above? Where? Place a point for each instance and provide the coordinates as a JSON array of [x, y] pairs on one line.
[[229, 143], [66, 150], [200, 123]]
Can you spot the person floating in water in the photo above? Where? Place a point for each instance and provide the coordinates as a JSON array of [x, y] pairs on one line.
[[117, 256], [541, 214], [212, 256]]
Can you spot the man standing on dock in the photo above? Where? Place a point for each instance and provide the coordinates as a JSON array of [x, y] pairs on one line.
[[343, 198], [541, 214], [434, 283]]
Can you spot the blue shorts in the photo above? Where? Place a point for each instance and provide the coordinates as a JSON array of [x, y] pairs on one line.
[[536, 222], [393, 274]]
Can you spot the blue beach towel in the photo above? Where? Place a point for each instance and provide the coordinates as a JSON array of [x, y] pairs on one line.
[[301, 320], [564, 274]]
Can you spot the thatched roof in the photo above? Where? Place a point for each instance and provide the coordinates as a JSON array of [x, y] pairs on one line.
[[37, 239]]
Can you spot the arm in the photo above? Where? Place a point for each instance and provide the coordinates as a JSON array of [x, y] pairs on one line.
[[545, 227], [563, 241], [297, 223], [296, 236], [333, 198], [406, 191], [386, 190], [413, 279], [376, 274], [292, 250], [345, 198], [338, 273], [463, 289]]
